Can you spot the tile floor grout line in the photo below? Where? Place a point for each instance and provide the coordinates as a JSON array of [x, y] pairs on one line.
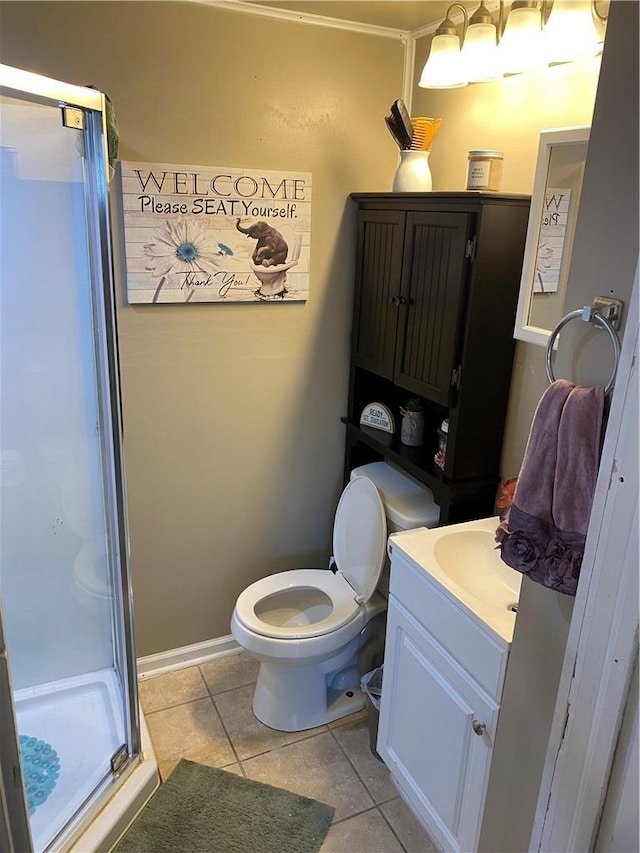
[[384, 818], [283, 745], [373, 808], [227, 735], [148, 713], [366, 787], [228, 689], [355, 769]]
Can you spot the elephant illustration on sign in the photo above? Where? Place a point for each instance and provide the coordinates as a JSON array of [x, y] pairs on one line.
[[272, 257], [271, 248]]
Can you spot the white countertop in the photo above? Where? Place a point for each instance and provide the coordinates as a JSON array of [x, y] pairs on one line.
[[466, 567]]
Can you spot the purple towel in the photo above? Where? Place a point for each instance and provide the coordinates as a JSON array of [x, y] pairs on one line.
[[544, 532]]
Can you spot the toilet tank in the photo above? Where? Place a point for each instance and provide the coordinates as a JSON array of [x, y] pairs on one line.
[[407, 503]]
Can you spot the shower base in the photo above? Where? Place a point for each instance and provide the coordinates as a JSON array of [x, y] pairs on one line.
[[81, 717]]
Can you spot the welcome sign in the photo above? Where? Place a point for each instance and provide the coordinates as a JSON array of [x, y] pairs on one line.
[[215, 234]]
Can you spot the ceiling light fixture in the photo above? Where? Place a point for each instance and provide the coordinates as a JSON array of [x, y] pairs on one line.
[[529, 38]]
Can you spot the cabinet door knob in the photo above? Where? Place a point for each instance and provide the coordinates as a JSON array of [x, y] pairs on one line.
[[478, 727], [393, 300]]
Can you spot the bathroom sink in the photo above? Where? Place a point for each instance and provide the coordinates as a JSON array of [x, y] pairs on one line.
[[463, 560], [470, 559]]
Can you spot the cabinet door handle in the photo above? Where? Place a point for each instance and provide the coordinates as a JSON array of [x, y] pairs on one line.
[[402, 300], [394, 300], [478, 727]]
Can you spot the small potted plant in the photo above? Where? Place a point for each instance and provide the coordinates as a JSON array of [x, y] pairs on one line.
[[412, 430]]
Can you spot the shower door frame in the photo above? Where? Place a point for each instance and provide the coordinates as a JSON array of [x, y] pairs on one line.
[[35, 88]]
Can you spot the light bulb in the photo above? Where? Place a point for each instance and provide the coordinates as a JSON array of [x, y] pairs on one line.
[[570, 32], [444, 68], [480, 53], [521, 47]]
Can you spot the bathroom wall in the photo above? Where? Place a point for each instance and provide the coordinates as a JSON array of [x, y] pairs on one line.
[[234, 446]]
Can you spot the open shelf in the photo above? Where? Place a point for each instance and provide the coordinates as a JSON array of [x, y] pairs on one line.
[[418, 462]]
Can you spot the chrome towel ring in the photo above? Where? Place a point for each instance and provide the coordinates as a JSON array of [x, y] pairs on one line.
[[590, 316]]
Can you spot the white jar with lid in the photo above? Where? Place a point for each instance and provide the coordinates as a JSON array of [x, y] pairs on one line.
[[484, 170]]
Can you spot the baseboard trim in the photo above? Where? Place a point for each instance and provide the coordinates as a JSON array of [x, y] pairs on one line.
[[180, 658]]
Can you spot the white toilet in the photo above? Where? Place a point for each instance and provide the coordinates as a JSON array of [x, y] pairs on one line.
[[305, 626]]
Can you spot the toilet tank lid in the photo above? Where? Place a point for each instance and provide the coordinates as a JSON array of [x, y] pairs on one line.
[[407, 502]]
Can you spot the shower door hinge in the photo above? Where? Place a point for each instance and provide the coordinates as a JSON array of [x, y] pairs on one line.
[[119, 758], [72, 117]]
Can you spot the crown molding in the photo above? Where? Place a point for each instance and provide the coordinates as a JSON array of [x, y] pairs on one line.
[[304, 18]]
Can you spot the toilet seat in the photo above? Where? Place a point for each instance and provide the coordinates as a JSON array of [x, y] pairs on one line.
[[360, 536], [327, 600], [341, 604]]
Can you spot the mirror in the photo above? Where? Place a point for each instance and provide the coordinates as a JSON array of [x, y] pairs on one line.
[[552, 220]]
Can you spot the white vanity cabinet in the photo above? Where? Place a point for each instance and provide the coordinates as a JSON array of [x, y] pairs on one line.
[[443, 677]]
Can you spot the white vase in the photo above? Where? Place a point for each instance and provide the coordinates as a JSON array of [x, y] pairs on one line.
[[413, 174]]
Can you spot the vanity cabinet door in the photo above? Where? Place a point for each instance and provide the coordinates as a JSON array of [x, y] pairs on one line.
[[436, 732]]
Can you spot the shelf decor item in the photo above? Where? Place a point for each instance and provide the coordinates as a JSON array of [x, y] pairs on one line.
[[413, 174], [412, 430], [414, 137], [443, 437], [378, 416]]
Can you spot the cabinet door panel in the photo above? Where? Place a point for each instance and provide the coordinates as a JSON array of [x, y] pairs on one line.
[[380, 242], [426, 734], [434, 275]]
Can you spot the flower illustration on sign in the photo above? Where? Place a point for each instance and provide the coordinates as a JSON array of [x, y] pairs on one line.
[[184, 249]]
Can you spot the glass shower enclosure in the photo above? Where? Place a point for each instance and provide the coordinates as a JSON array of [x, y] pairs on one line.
[[70, 725]]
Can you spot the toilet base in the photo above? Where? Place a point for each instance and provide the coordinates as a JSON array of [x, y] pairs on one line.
[[311, 699], [345, 703]]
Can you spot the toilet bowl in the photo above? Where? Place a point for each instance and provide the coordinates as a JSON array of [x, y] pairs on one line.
[[306, 626]]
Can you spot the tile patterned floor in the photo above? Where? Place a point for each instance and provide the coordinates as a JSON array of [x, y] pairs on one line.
[[204, 714]]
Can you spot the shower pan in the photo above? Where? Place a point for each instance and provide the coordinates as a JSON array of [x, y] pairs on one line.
[[76, 765]]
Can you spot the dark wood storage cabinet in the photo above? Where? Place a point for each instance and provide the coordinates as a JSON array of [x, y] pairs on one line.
[[437, 280]]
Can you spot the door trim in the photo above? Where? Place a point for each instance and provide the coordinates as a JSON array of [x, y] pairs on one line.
[[603, 638]]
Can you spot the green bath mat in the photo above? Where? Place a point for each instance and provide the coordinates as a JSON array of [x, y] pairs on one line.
[[205, 809]]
